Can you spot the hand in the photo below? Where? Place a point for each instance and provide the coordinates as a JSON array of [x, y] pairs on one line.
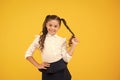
[[44, 65], [74, 41]]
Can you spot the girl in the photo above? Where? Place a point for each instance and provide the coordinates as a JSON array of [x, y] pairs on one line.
[[55, 55]]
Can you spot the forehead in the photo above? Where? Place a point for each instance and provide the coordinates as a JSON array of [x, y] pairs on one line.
[[53, 22]]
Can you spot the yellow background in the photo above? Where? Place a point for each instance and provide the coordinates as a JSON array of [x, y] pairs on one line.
[[96, 23]]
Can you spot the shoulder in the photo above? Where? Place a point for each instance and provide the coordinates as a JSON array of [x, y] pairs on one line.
[[37, 37]]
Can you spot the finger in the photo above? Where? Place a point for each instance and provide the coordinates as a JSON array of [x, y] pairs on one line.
[[44, 68], [75, 39], [47, 65]]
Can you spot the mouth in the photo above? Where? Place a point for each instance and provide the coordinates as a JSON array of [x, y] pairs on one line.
[[52, 30]]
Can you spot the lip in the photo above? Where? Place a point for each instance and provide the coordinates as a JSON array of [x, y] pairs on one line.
[[52, 30]]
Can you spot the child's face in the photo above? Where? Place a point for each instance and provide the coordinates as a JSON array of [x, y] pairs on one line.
[[52, 26]]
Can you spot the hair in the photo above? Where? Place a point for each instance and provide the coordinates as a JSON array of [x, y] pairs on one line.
[[44, 29]]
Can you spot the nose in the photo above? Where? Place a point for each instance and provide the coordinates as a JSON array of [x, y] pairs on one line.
[[52, 27]]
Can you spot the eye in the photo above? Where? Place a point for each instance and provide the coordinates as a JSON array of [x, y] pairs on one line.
[[55, 26], [50, 25]]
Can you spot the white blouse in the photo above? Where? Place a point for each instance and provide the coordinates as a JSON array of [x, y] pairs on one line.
[[54, 48]]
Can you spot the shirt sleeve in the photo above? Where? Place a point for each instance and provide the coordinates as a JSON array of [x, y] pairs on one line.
[[65, 55], [33, 46]]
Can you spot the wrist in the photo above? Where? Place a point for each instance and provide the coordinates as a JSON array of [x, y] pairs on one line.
[[37, 65], [73, 45]]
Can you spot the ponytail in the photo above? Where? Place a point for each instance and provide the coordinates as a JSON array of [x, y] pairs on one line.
[[44, 33], [73, 35]]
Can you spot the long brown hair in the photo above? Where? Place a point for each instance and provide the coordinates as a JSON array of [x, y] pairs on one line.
[[44, 29]]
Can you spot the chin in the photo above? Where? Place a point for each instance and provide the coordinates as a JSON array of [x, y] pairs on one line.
[[53, 34]]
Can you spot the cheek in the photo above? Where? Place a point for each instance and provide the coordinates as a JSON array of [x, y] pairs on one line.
[[57, 29], [47, 27]]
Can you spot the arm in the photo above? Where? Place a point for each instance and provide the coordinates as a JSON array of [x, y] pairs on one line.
[[67, 54], [30, 52], [74, 43], [36, 64], [33, 61]]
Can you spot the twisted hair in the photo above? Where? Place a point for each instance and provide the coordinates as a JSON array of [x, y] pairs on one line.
[[44, 29], [73, 35]]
